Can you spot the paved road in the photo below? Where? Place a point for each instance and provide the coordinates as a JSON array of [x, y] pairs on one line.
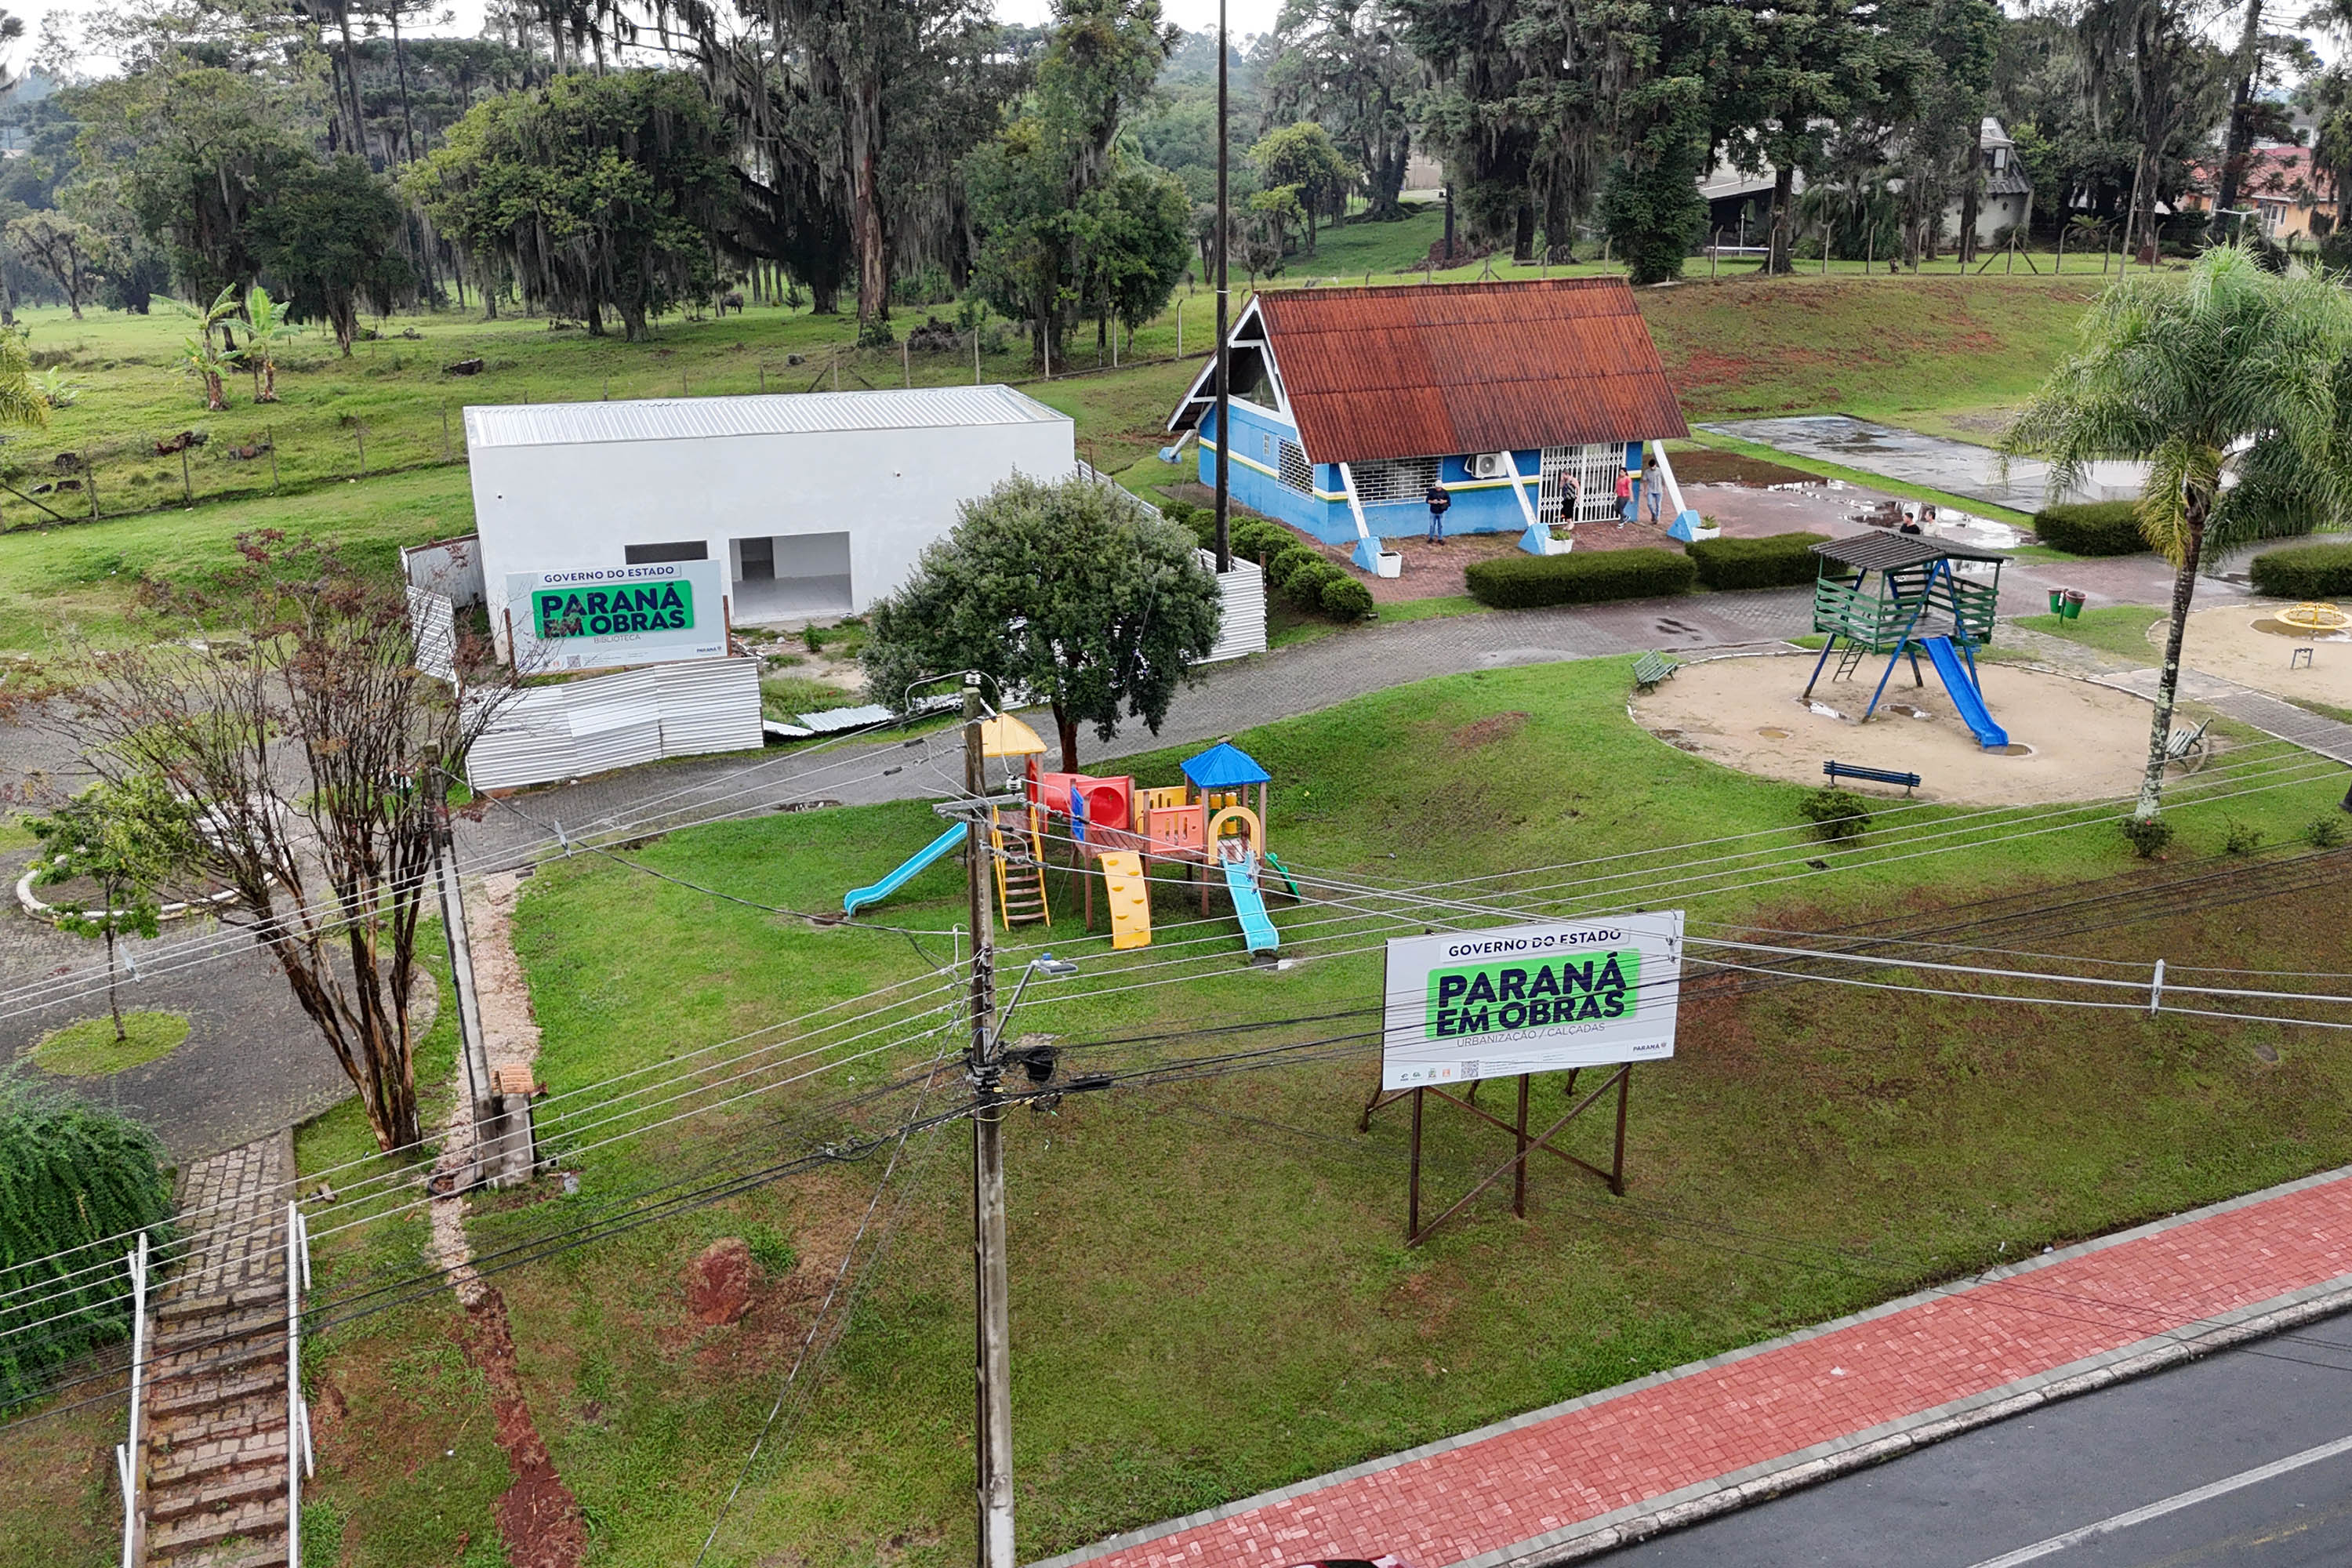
[[1986, 1497]]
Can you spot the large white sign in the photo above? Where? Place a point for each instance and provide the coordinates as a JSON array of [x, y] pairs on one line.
[[600, 618], [1463, 1006]]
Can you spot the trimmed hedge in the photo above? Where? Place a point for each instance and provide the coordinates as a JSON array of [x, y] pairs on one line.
[[2305, 571], [2092, 528], [1346, 599], [1256, 537], [1777, 560], [1585, 577]]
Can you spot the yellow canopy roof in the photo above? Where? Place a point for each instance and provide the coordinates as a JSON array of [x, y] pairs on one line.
[[1005, 736]]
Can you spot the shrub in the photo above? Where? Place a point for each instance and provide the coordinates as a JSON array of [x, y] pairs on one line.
[[1305, 585], [1287, 563], [1523, 581], [773, 1254], [2305, 571], [2242, 839], [1345, 599], [2092, 528], [71, 1175], [2323, 832], [1773, 562], [1836, 813], [2146, 835], [1254, 537]]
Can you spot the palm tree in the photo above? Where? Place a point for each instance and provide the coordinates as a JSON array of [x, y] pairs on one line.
[[2234, 386], [21, 402], [265, 328], [204, 359]]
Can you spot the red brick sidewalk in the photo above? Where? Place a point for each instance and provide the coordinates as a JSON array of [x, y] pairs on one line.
[[1587, 1475]]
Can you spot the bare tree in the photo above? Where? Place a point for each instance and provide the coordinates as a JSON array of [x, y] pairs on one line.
[[316, 753], [63, 248]]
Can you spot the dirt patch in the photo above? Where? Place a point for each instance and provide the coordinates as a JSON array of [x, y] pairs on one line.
[[2088, 742], [1487, 730], [2228, 641], [539, 1518], [1703, 466], [719, 1282]]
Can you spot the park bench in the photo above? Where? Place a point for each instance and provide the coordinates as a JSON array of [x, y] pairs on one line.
[[2183, 744], [1837, 771], [1650, 669]]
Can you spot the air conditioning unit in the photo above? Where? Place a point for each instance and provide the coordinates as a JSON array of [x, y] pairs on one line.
[[1487, 466]]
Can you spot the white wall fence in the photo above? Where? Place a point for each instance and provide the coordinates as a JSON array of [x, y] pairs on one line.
[[1242, 628], [450, 567], [607, 722], [433, 627]]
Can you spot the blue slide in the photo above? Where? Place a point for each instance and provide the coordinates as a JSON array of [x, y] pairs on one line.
[[852, 901], [1257, 928], [1965, 695]]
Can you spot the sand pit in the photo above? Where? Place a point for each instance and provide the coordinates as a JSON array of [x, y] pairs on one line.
[[2231, 641], [2087, 742]]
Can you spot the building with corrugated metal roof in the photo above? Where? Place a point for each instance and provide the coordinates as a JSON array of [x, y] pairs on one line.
[[1526, 400], [813, 505]]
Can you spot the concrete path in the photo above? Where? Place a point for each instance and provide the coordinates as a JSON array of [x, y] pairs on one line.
[[1932, 462], [1592, 1474]]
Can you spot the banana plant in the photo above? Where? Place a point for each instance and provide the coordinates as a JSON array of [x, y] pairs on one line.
[[203, 358], [266, 331]]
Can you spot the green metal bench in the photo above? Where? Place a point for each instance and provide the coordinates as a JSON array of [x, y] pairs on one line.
[[1650, 669], [1837, 771], [2182, 745]]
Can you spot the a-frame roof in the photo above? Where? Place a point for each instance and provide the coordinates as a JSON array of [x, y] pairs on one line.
[[1433, 370]]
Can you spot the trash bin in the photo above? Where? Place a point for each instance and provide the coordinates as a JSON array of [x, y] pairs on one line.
[[2070, 606], [2057, 601]]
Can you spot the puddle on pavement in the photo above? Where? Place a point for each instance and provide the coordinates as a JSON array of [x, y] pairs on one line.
[[1770, 734]]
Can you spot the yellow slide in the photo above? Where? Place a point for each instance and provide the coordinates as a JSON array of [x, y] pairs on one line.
[[1130, 898]]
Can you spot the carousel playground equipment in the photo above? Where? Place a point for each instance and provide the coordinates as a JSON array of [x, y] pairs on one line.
[[2312, 620]]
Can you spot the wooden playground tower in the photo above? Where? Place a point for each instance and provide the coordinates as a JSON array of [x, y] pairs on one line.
[[1893, 594]]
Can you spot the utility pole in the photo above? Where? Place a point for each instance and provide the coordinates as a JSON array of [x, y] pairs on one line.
[[991, 1372], [1224, 355]]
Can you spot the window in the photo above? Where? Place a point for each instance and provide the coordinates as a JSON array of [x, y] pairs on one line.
[[652, 554], [1391, 479], [1296, 473]]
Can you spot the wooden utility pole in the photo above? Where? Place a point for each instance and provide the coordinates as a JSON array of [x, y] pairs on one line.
[[991, 1372], [1224, 356]]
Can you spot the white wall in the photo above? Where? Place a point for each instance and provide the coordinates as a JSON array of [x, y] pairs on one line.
[[557, 508]]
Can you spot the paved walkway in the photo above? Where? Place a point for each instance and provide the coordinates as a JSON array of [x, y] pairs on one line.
[[1583, 1477]]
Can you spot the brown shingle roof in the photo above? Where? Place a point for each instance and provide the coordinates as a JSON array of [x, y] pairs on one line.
[[1433, 370]]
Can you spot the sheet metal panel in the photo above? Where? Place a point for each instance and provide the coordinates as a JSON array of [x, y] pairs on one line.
[[776, 413], [1443, 369], [1241, 627]]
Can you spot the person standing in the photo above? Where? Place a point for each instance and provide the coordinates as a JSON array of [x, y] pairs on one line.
[[1439, 499], [1624, 497], [1651, 487]]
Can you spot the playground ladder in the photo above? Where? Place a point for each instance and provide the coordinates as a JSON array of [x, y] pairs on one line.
[[1852, 655], [1019, 874]]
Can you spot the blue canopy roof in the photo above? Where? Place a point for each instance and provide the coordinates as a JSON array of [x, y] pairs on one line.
[[1224, 765]]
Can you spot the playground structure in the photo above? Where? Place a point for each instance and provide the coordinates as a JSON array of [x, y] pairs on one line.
[[2310, 620], [1206, 825], [1899, 595]]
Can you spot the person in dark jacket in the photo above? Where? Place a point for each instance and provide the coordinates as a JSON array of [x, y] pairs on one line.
[[1439, 499]]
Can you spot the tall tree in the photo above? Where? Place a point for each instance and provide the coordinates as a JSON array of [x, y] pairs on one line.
[[1343, 64], [595, 193], [68, 251], [1066, 589], [1666, 55], [133, 840], [1301, 157], [327, 235], [1478, 113], [2235, 386]]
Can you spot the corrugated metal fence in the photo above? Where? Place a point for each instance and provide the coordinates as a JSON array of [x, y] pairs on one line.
[[1242, 628], [608, 721]]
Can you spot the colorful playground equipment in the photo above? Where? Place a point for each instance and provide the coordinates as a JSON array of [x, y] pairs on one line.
[[1118, 831], [1920, 603]]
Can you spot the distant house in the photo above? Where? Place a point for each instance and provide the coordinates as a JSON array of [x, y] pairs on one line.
[[2281, 187], [1525, 399], [1739, 205]]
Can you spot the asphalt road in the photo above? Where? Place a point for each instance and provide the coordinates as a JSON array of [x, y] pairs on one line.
[[2242, 1460]]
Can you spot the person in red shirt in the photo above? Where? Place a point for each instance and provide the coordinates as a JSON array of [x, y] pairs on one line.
[[1624, 497]]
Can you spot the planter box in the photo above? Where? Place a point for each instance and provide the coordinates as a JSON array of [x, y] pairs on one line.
[[1559, 547], [1392, 564]]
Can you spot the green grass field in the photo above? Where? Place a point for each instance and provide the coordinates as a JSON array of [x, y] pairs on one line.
[[1209, 1296], [1894, 348], [2119, 629]]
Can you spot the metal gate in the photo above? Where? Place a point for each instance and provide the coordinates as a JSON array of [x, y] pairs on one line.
[[1595, 468]]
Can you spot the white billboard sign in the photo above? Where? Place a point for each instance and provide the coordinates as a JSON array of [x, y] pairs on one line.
[[600, 618], [1463, 1006]]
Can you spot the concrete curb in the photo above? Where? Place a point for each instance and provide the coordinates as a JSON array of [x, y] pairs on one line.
[[1824, 1462]]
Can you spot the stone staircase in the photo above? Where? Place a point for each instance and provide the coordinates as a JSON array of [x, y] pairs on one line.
[[215, 1400]]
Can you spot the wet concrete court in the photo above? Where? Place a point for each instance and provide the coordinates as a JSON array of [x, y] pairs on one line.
[[1934, 462]]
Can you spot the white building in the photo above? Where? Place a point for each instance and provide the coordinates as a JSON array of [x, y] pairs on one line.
[[817, 504]]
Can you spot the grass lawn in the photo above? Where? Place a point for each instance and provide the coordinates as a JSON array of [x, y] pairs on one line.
[[87, 1048], [2120, 629], [1209, 1292], [1885, 347]]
